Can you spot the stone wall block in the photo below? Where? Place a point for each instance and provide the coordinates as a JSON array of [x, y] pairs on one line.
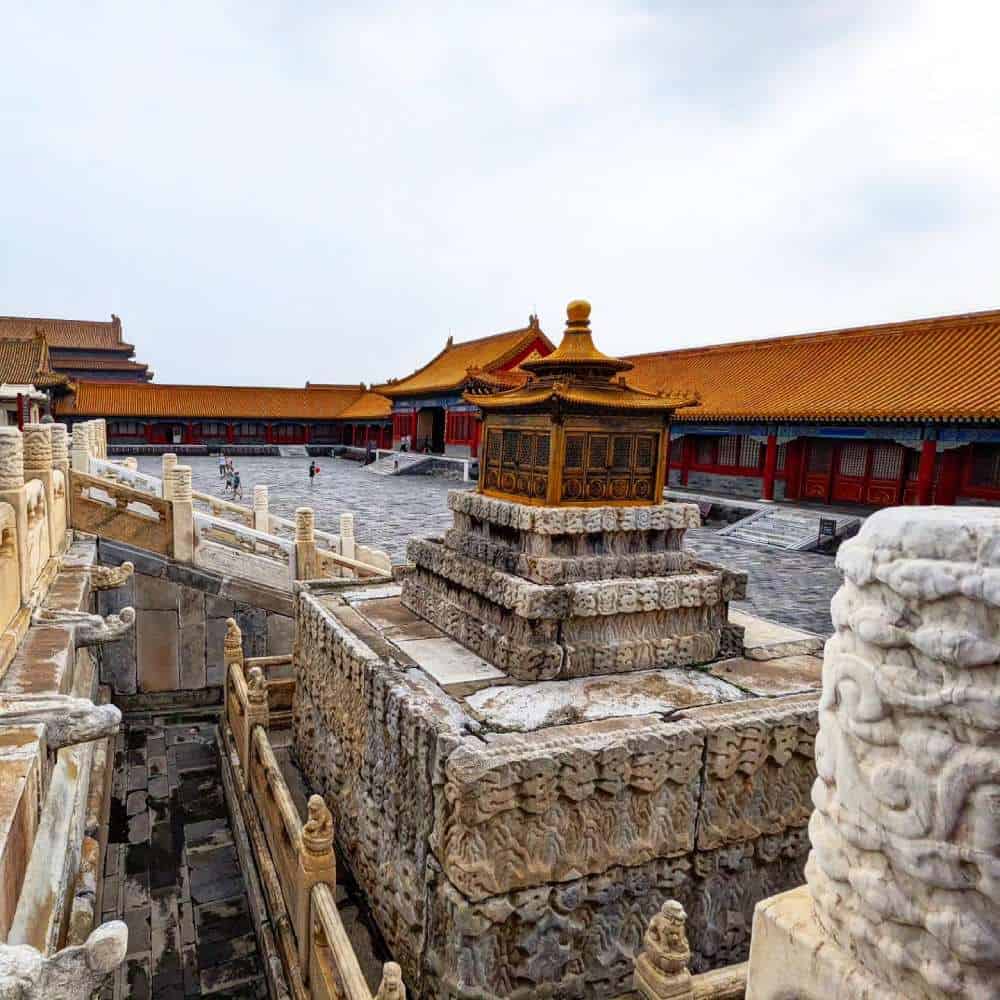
[[192, 656], [155, 593], [191, 606], [157, 649]]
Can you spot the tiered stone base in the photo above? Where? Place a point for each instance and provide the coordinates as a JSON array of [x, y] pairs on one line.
[[545, 593]]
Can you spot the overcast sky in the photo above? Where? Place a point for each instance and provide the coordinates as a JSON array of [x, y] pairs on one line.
[[273, 192]]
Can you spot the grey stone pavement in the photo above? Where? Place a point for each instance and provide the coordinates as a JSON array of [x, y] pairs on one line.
[[171, 871], [789, 587]]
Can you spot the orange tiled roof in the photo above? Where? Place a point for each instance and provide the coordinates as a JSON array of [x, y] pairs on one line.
[[368, 406], [78, 334], [945, 368], [149, 399], [26, 362], [103, 364], [447, 371]]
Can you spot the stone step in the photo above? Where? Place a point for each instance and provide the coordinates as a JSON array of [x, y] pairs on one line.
[[793, 530]]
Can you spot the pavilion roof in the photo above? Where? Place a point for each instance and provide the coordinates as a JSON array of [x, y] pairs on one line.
[[26, 362], [78, 334], [943, 368], [149, 399], [449, 369]]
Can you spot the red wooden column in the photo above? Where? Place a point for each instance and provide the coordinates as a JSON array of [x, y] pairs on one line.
[[770, 466], [230, 433], [687, 446], [477, 429], [413, 430], [925, 472]]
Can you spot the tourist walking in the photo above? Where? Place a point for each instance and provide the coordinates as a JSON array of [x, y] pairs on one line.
[[222, 465], [312, 472]]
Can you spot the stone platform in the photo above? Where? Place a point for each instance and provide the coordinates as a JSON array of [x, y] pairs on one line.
[[543, 592], [514, 835]]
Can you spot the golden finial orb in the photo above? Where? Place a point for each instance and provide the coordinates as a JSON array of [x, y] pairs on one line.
[[578, 311]]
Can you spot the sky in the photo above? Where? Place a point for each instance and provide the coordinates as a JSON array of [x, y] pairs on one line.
[[270, 193]]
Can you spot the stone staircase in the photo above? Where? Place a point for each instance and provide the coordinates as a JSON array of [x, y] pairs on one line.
[[398, 462], [293, 451], [788, 528]]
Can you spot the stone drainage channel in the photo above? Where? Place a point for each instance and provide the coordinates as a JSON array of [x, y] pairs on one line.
[[171, 870]]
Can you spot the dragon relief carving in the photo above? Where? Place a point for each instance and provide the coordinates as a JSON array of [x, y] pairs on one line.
[[88, 629], [110, 577]]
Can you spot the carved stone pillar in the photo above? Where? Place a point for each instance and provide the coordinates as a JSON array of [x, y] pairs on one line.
[[903, 896], [80, 453], [661, 968], [317, 863], [347, 547], [261, 516], [12, 492], [258, 712], [60, 461], [38, 465], [183, 514], [168, 464], [305, 544]]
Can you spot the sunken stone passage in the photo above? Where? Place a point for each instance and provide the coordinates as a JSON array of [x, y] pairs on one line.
[[514, 864], [171, 870], [546, 593]]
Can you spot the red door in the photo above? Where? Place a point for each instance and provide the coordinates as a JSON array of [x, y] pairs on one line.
[[869, 473], [849, 472], [818, 468]]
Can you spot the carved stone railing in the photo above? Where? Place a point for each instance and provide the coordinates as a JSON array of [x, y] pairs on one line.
[[241, 551], [118, 472], [225, 508], [111, 510], [296, 859]]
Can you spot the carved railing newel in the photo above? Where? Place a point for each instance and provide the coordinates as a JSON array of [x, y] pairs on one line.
[[391, 987], [167, 465], [261, 516], [317, 863], [183, 509], [305, 544], [661, 968]]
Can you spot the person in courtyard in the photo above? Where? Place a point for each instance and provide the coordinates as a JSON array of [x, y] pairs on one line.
[[312, 472], [237, 485], [369, 453], [222, 465]]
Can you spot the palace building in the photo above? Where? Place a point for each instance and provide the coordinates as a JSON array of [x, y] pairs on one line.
[[898, 413], [81, 349], [429, 408], [214, 416]]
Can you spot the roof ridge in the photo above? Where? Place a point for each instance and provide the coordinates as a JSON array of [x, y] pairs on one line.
[[897, 327]]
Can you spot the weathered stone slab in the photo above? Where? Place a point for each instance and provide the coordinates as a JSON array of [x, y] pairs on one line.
[[588, 699], [766, 640], [768, 678], [447, 661]]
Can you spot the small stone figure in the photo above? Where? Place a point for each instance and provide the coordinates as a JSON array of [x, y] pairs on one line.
[[661, 970], [110, 577], [391, 987], [317, 833]]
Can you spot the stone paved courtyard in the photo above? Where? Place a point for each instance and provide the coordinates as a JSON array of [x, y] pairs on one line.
[[790, 587]]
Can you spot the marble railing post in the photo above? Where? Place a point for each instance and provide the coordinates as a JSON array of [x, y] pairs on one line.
[[168, 462], [261, 517], [81, 448], [903, 896], [12, 492], [183, 507], [60, 461], [347, 546], [258, 713], [132, 464], [317, 863], [102, 437], [232, 652], [38, 465], [305, 544]]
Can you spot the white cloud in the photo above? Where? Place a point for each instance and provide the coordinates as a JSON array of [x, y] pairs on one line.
[[270, 193]]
